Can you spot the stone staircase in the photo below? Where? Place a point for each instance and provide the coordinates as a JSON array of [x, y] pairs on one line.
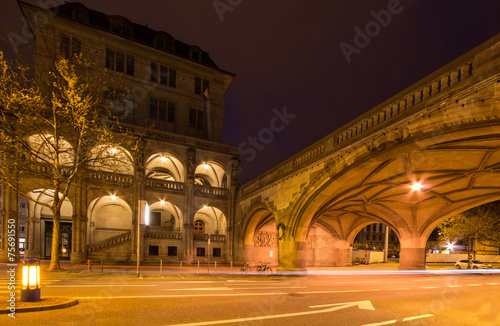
[[110, 242]]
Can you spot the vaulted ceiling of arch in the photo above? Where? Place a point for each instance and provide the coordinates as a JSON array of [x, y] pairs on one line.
[[456, 174]]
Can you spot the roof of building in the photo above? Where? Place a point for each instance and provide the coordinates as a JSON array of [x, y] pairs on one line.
[[123, 27]]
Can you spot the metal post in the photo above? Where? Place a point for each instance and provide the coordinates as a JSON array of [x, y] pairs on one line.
[[161, 266], [89, 263], [386, 245], [215, 268], [198, 268], [139, 243], [102, 267], [181, 268], [231, 266]]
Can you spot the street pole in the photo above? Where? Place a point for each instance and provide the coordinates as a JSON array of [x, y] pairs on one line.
[[139, 244], [208, 255], [386, 245]]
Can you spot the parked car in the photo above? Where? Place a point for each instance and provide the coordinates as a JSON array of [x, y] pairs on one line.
[[474, 264]]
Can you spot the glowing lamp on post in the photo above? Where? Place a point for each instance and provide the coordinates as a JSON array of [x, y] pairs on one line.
[[143, 220], [30, 286]]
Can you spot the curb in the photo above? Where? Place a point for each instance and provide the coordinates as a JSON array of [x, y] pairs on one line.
[[48, 303]]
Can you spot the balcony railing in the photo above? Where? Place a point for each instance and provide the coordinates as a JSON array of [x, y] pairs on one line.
[[211, 191], [164, 184], [213, 237], [163, 234]]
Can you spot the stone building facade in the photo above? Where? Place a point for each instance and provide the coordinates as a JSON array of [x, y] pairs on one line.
[[173, 94]]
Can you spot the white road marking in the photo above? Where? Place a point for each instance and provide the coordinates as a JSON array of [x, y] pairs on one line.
[[182, 295], [475, 284], [454, 286], [418, 317], [95, 286], [493, 283], [426, 279], [429, 287], [336, 306], [388, 322], [340, 291], [400, 289], [358, 282]]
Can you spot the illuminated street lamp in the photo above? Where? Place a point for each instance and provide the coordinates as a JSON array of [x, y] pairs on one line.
[[416, 186], [143, 220], [30, 286]]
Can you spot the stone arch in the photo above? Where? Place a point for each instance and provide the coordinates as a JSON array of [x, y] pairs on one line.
[[108, 216], [170, 218], [212, 174], [165, 166], [214, 219], [40, 222], [111, 158], [260, 237]]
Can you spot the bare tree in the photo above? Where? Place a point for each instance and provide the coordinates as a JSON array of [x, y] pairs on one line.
[[481, 224], [55, 126]]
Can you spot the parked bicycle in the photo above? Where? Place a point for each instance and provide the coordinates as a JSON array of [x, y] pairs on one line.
[[264, 268], [245, 268]]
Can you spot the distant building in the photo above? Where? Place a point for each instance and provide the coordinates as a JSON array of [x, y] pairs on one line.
[[372, 237], [176, 100]]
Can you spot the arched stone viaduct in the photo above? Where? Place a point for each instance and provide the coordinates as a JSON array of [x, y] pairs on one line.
[[442, 133]]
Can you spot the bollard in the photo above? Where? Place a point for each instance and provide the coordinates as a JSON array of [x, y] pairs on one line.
[[89, 263], [161, 267], [181, 268], [102, 266], [198, 268], [231, 266], [215, 267]]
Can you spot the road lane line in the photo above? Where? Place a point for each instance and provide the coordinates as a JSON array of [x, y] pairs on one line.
[[418, 317], [454, 286], [400, 289], [340, 291], [95, 286], [388, 322], [357, 282], [475, 284], [182, 296], [429, 287], [426, 279]]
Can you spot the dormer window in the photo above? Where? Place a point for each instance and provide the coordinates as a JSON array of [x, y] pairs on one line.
[[121, 25], [164, 42], [80, 13], [195, 54]]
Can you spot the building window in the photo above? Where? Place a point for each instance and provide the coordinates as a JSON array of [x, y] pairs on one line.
[[200, 85], [217, 252], [161, 110], [70, 46], [163, 75], [154, 250], [119, 61], [172, 251], [121, 103], [196, 119], [200, 252], [199, 227], [154, 219]]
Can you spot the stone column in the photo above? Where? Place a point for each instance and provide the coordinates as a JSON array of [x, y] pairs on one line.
[[342, 253], [412, 255], [292, 255], [189, 209]]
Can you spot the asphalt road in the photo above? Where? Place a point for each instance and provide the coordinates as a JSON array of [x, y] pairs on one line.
[[330, 299]]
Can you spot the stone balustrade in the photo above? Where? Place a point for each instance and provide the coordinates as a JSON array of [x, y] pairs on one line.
[[106, 243]]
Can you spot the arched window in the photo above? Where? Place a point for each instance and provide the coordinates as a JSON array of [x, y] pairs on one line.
[[199, 227]]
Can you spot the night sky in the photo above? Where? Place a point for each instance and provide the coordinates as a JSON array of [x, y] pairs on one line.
[[288, 53]]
